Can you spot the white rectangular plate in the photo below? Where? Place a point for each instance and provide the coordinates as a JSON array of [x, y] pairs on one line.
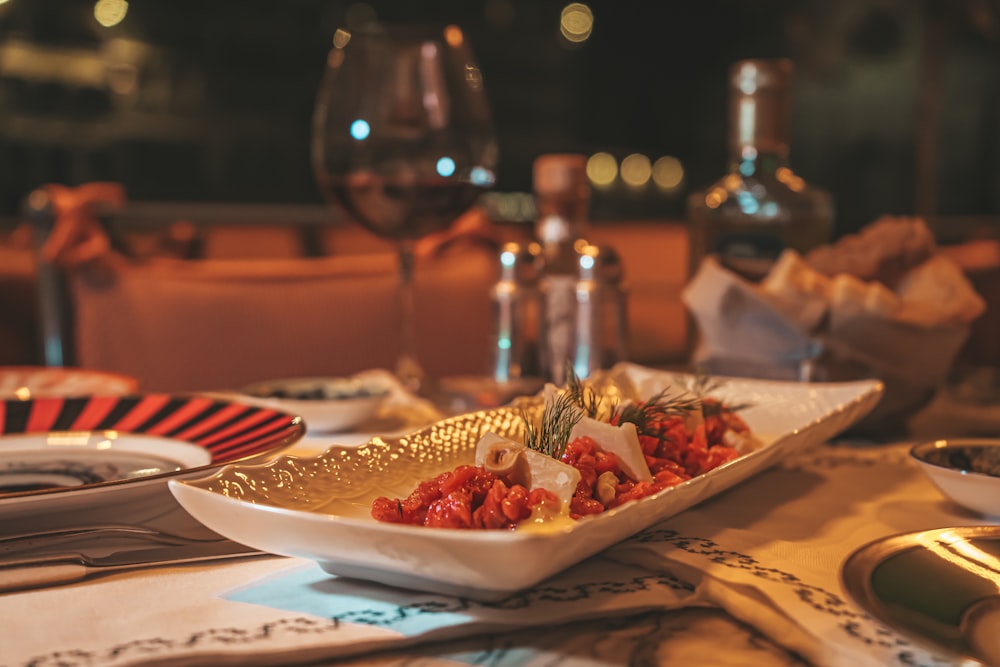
[[319, 508]]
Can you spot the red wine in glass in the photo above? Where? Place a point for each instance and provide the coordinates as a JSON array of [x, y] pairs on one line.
[[403, 141]]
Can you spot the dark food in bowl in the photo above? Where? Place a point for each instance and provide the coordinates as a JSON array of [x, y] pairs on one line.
[[983, 459], [318, 391]]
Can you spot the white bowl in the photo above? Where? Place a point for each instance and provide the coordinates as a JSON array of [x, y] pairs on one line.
[[326, 404], [26, 382], [966, 470]]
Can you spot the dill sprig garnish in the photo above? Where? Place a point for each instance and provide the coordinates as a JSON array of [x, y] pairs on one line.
[[658, 408], [703, 385], [552, 434], [586, 397]]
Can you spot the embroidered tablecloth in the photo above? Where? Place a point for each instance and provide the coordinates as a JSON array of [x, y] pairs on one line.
[[768, 552]]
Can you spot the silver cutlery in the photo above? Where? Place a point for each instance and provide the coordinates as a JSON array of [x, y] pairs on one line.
[[33, 538], [52, 569]]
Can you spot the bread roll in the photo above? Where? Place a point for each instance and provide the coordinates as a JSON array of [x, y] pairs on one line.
[[884, 251], [799, 291], [937, 293]]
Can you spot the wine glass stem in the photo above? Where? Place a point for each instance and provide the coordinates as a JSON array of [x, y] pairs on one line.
[[408, 369]]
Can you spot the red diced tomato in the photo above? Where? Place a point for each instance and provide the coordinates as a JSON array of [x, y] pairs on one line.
[[470, 497], [451, 511]]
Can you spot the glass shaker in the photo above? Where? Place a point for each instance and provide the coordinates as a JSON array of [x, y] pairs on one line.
[[601, 327], [515, 311]]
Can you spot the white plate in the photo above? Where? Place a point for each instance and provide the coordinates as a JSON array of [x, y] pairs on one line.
[[326, 404], [318, 508], [59, 459], [179, 435]]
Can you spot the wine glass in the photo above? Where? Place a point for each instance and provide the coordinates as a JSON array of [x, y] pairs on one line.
[[403, 140]]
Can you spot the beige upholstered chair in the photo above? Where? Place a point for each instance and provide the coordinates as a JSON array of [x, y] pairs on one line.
[[217, 324], [205, 324]]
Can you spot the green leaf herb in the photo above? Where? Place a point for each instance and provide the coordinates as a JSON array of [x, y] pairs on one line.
[[552, 434], [658, 408], [702, 385], [585, 396]]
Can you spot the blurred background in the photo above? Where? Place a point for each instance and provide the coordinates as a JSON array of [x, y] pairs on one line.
[[896, 102]]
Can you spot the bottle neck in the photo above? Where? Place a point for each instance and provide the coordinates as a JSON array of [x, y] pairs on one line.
[[749, 162], [759, 120]]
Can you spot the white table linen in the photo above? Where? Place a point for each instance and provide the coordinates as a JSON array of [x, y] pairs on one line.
[[768, 552]]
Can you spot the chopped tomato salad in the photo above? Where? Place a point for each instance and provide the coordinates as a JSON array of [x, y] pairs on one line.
[[466, 497], [675, 449]]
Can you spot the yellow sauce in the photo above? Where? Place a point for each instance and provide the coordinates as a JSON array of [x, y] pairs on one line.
[[542, 521]]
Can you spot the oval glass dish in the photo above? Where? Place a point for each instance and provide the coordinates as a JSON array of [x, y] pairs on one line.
[[75, 443]]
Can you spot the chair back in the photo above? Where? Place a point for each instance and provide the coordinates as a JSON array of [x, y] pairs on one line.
[[181, 324]]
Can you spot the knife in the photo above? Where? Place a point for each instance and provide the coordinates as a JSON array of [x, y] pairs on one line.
[[51, 570]]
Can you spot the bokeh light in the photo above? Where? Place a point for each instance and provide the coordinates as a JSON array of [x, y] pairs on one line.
[[576, 22], [668, 173], [445, 166], [636, 170], [481, 176], [602, 169], [110, 12], [790, 179], [360, 129], [715, 197], [341, 37], [453, 35]]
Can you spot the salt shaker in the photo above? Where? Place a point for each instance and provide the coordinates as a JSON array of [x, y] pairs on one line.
[[601, 323], [515, 310]]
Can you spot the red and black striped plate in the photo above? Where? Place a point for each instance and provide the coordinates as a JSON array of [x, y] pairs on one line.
[[229, 431]]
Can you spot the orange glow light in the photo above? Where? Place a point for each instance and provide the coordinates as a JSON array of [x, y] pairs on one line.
[[453, 35]]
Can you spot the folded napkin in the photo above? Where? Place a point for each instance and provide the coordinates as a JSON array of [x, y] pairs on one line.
[[768, 551], [77, 238]]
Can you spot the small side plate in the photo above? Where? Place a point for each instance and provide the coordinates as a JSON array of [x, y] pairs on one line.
[[31, 461], [939, 587]]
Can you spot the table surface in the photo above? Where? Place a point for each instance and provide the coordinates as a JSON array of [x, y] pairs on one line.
[[697, 635]]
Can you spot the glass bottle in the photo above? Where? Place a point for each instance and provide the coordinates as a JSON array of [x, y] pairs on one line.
[[760, 207], [562, 195]]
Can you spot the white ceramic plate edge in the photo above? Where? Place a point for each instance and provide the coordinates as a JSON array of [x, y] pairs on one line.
[[477, 563]]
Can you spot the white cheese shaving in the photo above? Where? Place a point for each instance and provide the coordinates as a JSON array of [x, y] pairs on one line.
[[546, 472], [622, 441]]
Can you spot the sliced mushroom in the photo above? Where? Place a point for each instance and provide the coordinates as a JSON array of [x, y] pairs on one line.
[[538, 471], [507, 459]]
